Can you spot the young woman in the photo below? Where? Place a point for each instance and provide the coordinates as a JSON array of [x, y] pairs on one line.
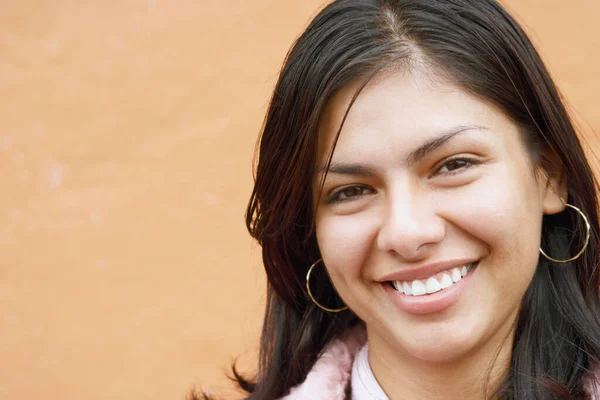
[[427, 216]]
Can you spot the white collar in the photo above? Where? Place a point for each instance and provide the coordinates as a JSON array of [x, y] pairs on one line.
[[364, 384]]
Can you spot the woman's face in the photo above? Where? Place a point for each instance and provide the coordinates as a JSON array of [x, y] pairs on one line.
[[426, 183]]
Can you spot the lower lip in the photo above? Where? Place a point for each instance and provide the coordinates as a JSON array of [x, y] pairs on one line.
[[430, 303]]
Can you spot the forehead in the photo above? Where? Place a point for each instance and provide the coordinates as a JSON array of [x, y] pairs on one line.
[[400, 108]]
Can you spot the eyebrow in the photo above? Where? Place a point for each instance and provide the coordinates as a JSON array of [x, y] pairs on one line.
[[417, 154], [434, 143]]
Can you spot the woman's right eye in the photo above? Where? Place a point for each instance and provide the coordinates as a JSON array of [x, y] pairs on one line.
[[349, 193]]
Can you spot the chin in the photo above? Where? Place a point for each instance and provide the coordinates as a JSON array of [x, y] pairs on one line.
[[440, 351], [440, 344]]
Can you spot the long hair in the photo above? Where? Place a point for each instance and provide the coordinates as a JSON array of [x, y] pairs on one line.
[[482, 49]]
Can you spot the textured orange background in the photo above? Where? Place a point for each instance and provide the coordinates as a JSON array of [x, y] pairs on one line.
[[127, 131]]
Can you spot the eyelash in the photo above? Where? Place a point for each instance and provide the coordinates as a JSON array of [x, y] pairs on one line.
[[466, 160], [335, 197], [467, 163]]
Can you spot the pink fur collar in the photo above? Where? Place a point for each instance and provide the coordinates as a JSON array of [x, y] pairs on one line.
[[330, 376]]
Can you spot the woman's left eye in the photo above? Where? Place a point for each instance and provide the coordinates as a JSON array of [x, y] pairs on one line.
[[455, 166]]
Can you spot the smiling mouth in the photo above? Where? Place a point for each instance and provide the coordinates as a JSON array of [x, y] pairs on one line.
[[433, 284]]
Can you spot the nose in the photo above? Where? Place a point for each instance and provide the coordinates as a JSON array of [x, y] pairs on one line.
[[410, 228]]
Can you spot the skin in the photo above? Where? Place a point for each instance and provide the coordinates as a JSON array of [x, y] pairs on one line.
[[477, 195]]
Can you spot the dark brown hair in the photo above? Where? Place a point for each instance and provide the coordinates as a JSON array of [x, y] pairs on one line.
[[482, 49]]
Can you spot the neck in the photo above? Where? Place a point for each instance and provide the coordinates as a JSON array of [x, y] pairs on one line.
[[471, 376]]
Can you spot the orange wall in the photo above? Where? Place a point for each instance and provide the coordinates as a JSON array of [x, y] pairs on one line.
[[126, 140]]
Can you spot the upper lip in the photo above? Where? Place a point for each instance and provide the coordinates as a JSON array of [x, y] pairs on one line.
[[424, 271]]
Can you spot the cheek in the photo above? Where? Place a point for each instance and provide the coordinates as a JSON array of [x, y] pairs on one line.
[[504, 213], [345, 243], [494, 214]]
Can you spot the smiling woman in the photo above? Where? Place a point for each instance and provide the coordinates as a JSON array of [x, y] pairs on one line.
[[462, 209], [417, 172]]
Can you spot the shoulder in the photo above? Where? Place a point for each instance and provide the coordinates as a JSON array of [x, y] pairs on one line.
[[329, 376]]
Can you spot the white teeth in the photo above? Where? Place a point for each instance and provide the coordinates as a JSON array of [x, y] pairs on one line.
[[418, 289], [456, 276], [398, 286], [432, 285], [446, 281]]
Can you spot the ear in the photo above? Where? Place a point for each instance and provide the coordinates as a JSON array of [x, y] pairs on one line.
[[553, 184]]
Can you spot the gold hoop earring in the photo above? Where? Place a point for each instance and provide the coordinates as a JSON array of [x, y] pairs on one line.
[[587, 238], [333, 310]]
